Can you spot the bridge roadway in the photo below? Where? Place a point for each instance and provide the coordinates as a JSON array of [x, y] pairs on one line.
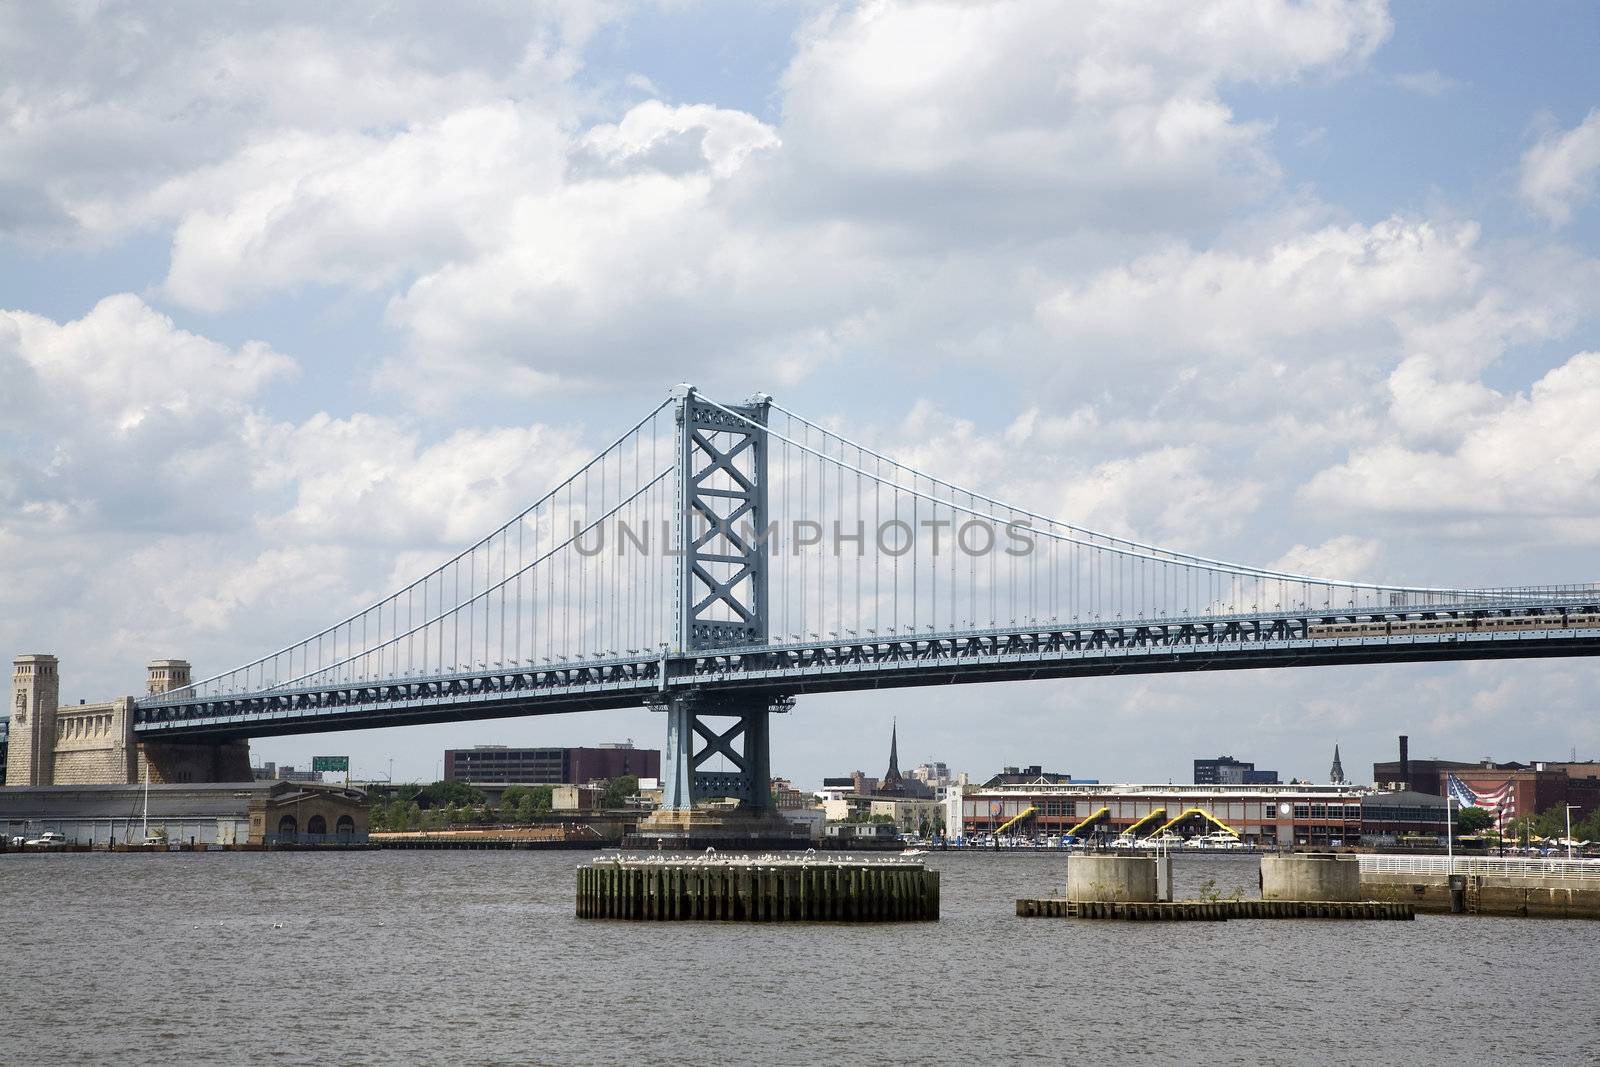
[[1241, 642]]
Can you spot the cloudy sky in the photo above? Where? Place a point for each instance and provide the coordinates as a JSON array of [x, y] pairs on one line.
[[297, 300]]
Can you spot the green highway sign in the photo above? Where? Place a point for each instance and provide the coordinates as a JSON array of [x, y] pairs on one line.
[[330, 763]]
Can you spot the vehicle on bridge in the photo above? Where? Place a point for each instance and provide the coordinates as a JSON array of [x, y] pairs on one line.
[[1577, 620]]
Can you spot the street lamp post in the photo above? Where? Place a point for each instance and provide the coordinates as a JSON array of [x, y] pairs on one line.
[[1569, 829]]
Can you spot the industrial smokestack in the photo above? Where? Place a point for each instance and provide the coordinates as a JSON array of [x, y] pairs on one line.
[[1405, 760]]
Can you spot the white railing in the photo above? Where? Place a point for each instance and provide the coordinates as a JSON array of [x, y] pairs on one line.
[[1495, 865]]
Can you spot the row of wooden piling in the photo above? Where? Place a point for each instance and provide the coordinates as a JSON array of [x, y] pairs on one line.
[[816, 892], [1214, 910]]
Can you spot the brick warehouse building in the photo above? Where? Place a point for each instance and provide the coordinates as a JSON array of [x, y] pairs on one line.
[[1537, 787], [502, 765]]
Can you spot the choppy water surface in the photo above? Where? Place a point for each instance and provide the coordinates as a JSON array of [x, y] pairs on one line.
[[476, 958]]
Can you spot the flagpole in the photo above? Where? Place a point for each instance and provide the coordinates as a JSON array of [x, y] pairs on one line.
[[1449, 833]]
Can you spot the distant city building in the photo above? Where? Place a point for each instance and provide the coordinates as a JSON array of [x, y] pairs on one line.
[[271, 772], [1034, 775], [1336, 772], [1421, 776], [843, 832], [1403, 817], [837, 787], [1265, 815], [502, 765], [1510, 789], [932, 774], [785, 795], [913, 815], [1225, 770]]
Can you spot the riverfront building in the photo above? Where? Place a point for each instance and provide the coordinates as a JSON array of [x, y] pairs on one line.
[[1526, 788], [502, 765], [227, 813], [1265, 815]]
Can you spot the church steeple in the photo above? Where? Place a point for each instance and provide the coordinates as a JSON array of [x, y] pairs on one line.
[[891, 777], [1336, 775]]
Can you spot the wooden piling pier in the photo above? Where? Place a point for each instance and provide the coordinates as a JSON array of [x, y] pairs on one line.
[[779, 890], [1214, 910]]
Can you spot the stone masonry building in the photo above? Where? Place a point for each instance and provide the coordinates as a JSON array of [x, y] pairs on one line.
[[93, 744]]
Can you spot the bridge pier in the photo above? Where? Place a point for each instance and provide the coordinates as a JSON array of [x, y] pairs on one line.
[[700, 727]]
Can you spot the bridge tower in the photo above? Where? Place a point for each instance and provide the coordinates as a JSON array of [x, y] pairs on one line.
[[720, 532], [36, 692]]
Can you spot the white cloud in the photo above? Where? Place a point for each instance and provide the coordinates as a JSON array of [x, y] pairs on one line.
[[1345, 556], [359, 210], [1531, 462], [1019, 114], [98, 110], [1559, 173], [449, 166], [1249, 303]]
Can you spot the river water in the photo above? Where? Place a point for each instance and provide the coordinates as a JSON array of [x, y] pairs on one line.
[[476, 958]]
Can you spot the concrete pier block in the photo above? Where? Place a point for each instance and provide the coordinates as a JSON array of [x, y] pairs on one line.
[[1111, 878], [1316, 876]]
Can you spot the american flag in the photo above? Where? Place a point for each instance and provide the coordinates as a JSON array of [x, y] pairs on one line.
[[1500, 802]]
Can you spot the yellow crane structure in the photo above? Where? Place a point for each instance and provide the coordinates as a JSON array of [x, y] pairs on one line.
[[1018, 817], [1154, 816], [1090, 821], [1204, 814]]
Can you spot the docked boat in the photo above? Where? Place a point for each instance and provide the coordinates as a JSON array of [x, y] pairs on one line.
[[1217, 839]]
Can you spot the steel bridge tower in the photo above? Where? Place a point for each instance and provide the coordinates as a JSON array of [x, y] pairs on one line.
[[721, 535]]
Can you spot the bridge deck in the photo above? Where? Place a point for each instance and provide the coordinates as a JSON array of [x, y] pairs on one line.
[[989, 656]]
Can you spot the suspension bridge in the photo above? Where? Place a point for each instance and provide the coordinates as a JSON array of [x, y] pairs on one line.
[[716, 561]]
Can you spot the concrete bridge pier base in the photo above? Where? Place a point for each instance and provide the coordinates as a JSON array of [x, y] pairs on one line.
[[1102, 877], [701, 728], [1320, 876]]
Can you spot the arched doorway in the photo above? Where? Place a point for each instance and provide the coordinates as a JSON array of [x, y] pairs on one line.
[[317, 827], [288, 829], [346, 828]]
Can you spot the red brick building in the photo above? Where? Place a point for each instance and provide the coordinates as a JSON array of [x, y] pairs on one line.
[[503, 765]]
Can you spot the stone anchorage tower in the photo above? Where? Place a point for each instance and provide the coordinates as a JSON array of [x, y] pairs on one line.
[[226, 761], [35, 695]]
